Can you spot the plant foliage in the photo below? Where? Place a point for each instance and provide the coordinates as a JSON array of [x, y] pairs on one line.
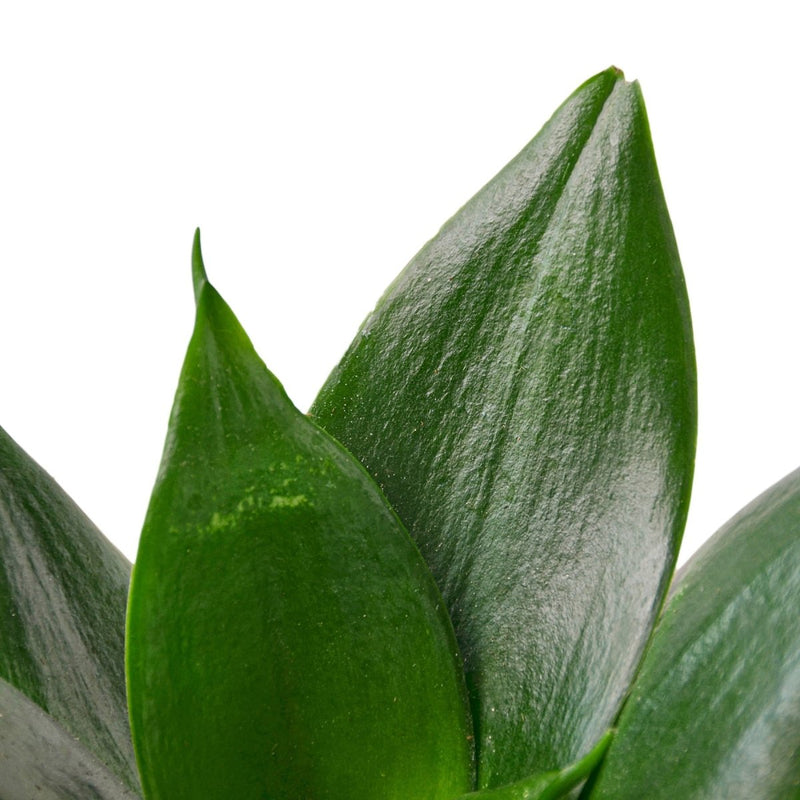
[[446, 581]]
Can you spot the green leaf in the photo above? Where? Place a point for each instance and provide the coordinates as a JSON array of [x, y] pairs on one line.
[[39, 758], [285, 637], [548, 785], [715, 710], [524, 394], [63, 592]]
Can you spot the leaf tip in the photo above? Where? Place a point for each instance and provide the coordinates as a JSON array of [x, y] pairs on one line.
[[198, 268], [616, 72]]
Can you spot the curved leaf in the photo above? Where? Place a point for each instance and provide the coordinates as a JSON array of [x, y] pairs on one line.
[[548, 785], [524, 394], [715, 711], [39, 758], [63, 592], [285, 637]]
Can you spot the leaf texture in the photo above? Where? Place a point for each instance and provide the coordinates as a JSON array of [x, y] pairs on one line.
[[524, 394], [715, 711], [285, 637], [63, 594], [549, 785], [40, 759]]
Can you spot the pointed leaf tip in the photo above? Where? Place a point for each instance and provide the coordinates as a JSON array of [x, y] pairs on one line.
[[295, 641], [535, 364], [198, 268]]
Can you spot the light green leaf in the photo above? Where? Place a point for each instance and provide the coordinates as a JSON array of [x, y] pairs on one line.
[[715, 711], [285, 637], [40, 759], [524, 394], [63, 592]]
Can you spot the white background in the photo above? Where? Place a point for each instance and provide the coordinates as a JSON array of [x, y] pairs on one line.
[[318, 146]]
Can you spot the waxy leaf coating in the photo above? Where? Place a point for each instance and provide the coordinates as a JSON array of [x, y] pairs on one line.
[[715, 710], [63, 593], [285, 637], [524, 394]]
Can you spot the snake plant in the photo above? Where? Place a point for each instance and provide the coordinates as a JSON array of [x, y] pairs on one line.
[[453, 577]]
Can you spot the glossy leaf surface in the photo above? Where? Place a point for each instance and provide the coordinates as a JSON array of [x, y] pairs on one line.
[[40, 759], [63, 592], [715, 711], [524, 394], [285, 637], [548, 785]]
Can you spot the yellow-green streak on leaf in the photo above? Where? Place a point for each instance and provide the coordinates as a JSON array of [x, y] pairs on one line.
[[285, 637]]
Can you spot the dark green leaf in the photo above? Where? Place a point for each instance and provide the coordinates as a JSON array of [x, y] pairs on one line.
[[524, 393], [63, 590], [548, 785], [39, 759], [715, 711], [285, 637]]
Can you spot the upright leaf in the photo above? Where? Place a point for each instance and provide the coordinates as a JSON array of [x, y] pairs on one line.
[[524, 394], [40, 759], [285, 637], [715, 711], [63, 592]]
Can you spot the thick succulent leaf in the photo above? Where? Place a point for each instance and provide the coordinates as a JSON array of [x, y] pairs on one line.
[[548, 785], [524, 394], [63, 592], [285, 637], [715, 710], [40, 759]]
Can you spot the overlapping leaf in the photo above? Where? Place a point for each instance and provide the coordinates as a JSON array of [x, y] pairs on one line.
[[285, 637], [63, 590], [548, 785], [40, 759], [524, 394], [715, 711]]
